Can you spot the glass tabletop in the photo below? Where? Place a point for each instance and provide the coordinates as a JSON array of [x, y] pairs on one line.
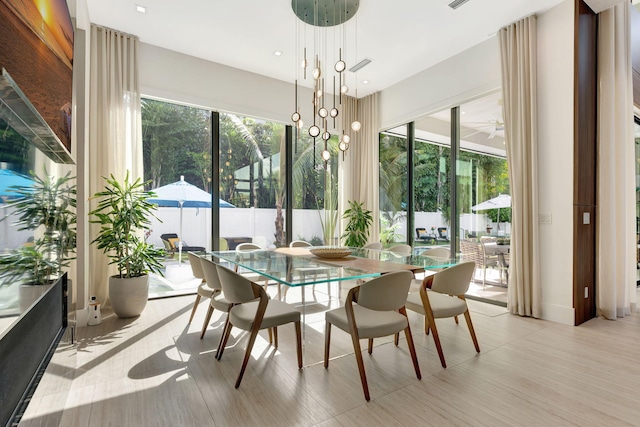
[[298, 267]]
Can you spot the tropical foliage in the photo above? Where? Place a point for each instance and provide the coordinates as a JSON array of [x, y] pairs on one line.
[[431, 178], [123, 212], [359, 219], [177, 141], [48, 205]]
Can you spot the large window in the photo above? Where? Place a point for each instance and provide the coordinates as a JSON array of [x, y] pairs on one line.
[[250, 168], [416, 169]]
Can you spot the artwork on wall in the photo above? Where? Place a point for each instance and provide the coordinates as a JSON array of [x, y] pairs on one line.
[[39, 57]]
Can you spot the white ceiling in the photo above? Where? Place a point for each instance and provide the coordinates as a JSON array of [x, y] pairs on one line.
[[402, 37]]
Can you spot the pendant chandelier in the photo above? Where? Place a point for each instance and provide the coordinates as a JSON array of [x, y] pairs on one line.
[[326, 18]]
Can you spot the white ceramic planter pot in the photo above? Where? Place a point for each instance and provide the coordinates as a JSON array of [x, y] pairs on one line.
[[128, 296]]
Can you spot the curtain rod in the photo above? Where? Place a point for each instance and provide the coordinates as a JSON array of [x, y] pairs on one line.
[[101, 27]]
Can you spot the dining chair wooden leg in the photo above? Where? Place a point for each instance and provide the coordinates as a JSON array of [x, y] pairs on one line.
[[411, 345], [370, 346], [270, 331], [224, 338], [436, 338], [412, 351], [247, 354], [195, 306], [299, 343], [472, 331], [396, 338], [456, 319], [360, 362], [275, 336], [327, 342], [207, 319], [426, 325]]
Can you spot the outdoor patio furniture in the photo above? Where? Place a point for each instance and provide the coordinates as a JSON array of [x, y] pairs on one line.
[[171, 242], [443, 234], [422, 235]]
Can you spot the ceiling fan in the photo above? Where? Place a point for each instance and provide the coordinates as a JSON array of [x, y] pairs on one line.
[[492, 127]]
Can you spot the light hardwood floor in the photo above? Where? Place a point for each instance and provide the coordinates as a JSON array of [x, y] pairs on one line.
[[155, 371]]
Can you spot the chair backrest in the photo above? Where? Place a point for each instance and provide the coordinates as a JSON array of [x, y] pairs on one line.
[[443, 253], [237, 289], [299, 244], [248, 247], [472, 251], [454, 280], [488, 239], [386, 292], [443, 233], [421, 232], [196, 265], [374, 245], [210, 273], [224, 245], [168, 240], [401, 249]]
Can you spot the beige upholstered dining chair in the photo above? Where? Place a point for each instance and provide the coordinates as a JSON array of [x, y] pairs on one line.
[[299, 244], [401, 249], [305, 271], [204, 290], [245, 249], [373, 309], [218, 300], [374, 245], [444, 299], [251, 315]]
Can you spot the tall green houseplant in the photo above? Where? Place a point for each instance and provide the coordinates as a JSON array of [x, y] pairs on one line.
[[123, 212], [359, 219]]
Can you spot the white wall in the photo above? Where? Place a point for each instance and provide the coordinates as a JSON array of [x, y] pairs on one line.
[[470, 74], [173, 76], [555, 159]]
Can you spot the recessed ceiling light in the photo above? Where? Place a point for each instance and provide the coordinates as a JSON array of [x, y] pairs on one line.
[[464, 112], [277, 53], [141, 9], [364, 82]]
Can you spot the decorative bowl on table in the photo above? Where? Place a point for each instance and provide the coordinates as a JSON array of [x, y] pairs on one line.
[[330, 252]]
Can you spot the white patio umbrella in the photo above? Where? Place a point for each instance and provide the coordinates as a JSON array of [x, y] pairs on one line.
[[181, 194], [501, 201]]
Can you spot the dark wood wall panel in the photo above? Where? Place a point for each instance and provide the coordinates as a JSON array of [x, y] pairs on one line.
[[585, 152]]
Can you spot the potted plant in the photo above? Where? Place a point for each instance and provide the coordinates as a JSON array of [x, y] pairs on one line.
[[123, 213], [356, 233], [46, 207]]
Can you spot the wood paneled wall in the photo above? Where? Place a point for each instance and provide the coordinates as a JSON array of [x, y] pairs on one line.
[[585, 152]]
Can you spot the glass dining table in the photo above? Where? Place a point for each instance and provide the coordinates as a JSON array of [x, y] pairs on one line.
[[298, 268]]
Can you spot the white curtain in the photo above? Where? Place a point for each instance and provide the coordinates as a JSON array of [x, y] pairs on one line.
[[115, 142], [616, 233], [359, 171], [518, 54]]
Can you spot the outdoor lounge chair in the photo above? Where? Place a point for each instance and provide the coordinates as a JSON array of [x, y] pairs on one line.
[[171, 241]]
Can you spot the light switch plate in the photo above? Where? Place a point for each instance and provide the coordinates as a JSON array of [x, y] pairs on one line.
[[586, 218], [544, 218]]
